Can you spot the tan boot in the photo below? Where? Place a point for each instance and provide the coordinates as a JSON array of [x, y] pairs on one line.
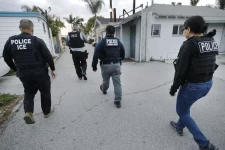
[[29, 119], [51, 111]]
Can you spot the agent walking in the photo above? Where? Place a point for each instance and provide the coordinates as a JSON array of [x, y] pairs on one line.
[[75, 40], [194, 70], [111, 52], [28, 56]]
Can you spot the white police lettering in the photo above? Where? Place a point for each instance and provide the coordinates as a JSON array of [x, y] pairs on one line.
[[111, 42], [21, 43], [73, 35], [208, 46]]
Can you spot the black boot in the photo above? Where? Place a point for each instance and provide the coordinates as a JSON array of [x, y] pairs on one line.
[[84, 76], [118, 104], [104, 92], [209, 147]]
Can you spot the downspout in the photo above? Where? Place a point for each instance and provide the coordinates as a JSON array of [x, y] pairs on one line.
[[121, 32], [141, 33], [146, 32], [222, 36]]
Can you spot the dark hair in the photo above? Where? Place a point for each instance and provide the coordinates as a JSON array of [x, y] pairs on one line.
[[196, 24], [110, 29]]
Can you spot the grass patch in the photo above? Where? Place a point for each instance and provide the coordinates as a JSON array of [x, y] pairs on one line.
[[10, 73], [6, 99]]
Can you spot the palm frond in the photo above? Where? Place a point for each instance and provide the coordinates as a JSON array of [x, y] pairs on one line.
[[221, 4], [94, 5], [194, 2], [26, 8]]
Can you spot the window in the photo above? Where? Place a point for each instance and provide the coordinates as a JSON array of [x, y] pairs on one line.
[[178, 29], [156, 28], [44, 27]]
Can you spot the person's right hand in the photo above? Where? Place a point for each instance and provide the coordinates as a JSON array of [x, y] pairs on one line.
[[53, 74], [94, 69]]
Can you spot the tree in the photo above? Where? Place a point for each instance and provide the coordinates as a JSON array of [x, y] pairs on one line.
[[52, 22], [75, 21], [70, 19], [94, 6], [194, 2], [221, 4], [56, 25], [79, 21], [90, 24], [27, 8], [35, 8]]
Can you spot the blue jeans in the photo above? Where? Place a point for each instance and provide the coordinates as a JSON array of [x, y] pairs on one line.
[[188, 95]]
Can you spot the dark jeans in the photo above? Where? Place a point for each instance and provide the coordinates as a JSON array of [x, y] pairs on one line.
[[80, 63], [32, 83], [188, 95]]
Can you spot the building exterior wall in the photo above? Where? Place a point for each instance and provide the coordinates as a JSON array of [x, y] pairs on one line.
[[126, 40], [222, 41], [167, 45], [100, 32]]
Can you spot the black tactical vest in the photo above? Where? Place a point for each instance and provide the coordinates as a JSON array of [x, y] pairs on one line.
[[203, 61], [25, 54], [75, 41], [111, 50]]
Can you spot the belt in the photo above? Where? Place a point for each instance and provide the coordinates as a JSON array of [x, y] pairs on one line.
[[30, 68], [108, 63]]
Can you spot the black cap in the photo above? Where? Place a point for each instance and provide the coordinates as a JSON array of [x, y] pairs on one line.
[[196, 24]]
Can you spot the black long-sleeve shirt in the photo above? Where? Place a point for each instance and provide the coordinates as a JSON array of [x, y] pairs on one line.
[[39, 44], [185, 69], [99, 49]]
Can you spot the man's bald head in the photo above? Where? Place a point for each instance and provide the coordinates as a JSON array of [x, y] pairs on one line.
[[26, 26]]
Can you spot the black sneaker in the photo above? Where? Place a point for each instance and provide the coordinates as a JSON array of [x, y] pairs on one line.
[[104, 92], [80, 77], [118, 104], [209, 147], [84, 76], [174, 125]]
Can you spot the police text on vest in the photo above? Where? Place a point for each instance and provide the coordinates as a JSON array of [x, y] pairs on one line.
[[21, 43], [111, 42], [208, 46]]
